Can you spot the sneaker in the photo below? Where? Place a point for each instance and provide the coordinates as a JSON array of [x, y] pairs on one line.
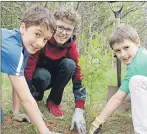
[[54, 109]]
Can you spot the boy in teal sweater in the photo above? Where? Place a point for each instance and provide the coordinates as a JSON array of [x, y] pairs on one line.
[[126, 45]]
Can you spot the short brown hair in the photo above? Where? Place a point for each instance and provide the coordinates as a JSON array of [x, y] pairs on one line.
[[123, 32], [69, 14], [37, 15]]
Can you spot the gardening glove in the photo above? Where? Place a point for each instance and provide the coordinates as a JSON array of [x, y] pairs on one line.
[[96, 126], [21, 118], [78, 121]]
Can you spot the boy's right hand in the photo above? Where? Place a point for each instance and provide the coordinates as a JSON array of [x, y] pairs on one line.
[[21, 118]]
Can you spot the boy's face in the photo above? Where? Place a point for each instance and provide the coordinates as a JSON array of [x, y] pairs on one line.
[[64, 31], [125, 51], [34, 37]]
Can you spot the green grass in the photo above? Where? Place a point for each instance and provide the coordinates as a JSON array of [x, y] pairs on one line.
[[118, 123]]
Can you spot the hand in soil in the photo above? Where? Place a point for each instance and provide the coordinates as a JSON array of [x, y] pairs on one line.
[[78, 121], [20, 117]]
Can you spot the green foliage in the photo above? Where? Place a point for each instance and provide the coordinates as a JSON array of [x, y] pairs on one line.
[[95, 67]]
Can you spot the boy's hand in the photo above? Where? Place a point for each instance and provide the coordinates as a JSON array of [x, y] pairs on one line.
[[21, 118], [78, 121], [96, 126]]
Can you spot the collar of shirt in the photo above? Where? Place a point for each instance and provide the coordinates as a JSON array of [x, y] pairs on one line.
[[18, 35]]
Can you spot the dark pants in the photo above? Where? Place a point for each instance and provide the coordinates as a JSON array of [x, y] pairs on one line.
[[54, 76]]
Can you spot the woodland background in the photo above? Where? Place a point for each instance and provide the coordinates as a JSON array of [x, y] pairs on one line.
[[97, 62]]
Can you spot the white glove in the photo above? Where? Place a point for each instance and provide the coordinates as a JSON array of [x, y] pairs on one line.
[[78, 121]]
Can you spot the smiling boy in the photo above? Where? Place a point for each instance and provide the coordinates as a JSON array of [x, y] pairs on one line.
[[125, 43], [56, 64], [36, 28]]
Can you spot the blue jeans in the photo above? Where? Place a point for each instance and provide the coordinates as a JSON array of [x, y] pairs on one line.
[[2, 116], [54, 76]]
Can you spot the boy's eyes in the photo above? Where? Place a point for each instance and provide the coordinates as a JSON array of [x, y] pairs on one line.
[[37, 35], [45, 40], [117, 51], [63, 28], [68, 30], [60, 27], [126, 47]]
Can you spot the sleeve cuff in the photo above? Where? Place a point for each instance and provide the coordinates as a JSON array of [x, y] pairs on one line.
[[79, 104]]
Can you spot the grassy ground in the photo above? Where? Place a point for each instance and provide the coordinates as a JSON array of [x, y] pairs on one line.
[[118, 123]]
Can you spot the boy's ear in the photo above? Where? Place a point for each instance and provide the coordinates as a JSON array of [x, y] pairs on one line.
[[22, 27], [138, 42]]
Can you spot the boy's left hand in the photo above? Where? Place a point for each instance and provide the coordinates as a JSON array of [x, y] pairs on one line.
[[21, 118], [78, 121]]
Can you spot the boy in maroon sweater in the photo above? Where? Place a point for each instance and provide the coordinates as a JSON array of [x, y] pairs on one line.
[[56, 64]]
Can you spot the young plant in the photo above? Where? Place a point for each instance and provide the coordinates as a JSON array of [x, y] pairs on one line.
[[95, 66]]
